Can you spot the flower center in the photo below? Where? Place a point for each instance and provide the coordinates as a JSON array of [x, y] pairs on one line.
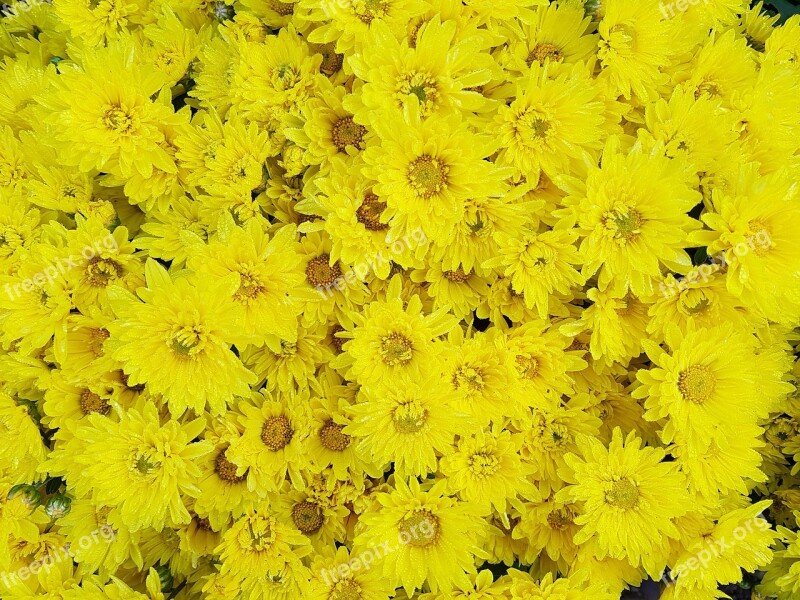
[[277, 432], [527, 366], [396, 349], [623, 494], [421, 85], [622, 37], [97, 337], [345, 589], [146, 463], [560, 518], [370, 211], [427, 175], [483, 464], [468, 378], [421, 529], [332, 438], [347, 132], [320, 273], [282, 8], [409, 417], [697, 384], [92, 403], [257, 535], [623, 225], [100, 271], [226, 470], [331, 62], [693, 301], [188, 341], [457, 276], [367, 10], [542, 51], [307, 517], [118, 120], [249, 286]]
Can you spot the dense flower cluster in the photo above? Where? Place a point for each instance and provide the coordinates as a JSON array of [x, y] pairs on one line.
[[370, 299]]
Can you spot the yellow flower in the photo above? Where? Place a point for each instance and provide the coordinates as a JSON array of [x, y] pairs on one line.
[[122, 463], [427, 169], [485, 470], [173, 339], [407, 426], [629, 499], [433, 537]]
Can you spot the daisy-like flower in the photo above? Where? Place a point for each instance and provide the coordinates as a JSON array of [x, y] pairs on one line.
[[407, 426], [259, 547], [282, 73], [751, 224], [741, 539], [701, 299], [437, 69], [629, 499], [353, 218], [558, 34], [549, 526], [710, 377], [542, 358], [485, 469], [539, 264], [326, 128], [729, 463], [391, 339], [480, 370], [286, 366], [554, 120], [329, 583], [623, 314], [696, 129], [433, 536], [461, 291], [348, 22], [103, 259], [103, 115], [472, 240], [144, 468], [632, 216], [272, 444], [172, 337], [635, 42], [329, 446], [426, 169], [551, 435], [724, 68], [269, 276]]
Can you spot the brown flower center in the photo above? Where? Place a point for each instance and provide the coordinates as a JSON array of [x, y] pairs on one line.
[[370, 211], [347, 132], [226, 470], [277, 432], [92, 403], [332, 438], [320, 273], [697, 384], [307, 517]]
